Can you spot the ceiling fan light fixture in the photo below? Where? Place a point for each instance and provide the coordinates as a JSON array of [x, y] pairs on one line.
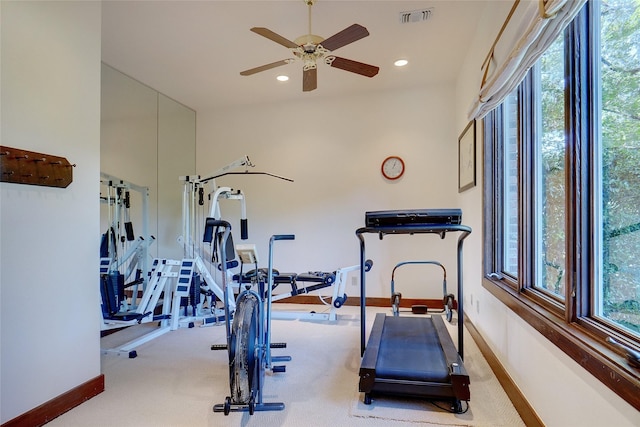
[[310, 39], [309, 64], [400, 62], [311, 48]]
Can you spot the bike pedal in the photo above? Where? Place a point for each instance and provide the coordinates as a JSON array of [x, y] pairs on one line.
[[218, 346], [278, 345]]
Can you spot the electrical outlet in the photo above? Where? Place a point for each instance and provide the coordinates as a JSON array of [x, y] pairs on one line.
[[471, 298], [477, 306], [354, 281]]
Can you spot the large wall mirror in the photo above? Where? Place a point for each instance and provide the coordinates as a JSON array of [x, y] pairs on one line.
[[149, 140]]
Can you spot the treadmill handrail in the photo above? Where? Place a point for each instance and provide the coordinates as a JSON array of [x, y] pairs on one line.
[[442, 230], [415, 228]]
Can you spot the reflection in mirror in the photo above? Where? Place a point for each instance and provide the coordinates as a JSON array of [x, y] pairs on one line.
[[176, 157], [147, 139]]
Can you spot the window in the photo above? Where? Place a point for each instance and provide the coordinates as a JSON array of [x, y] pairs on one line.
[[618, 166], [562, 194], [510, 231], [549, 172]]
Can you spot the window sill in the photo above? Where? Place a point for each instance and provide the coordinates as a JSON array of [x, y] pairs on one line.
[[574, 340]]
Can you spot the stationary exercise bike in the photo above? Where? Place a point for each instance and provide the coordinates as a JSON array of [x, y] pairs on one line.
[[249, 338]]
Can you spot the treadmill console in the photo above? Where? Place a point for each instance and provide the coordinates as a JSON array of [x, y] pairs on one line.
[[419, 217]]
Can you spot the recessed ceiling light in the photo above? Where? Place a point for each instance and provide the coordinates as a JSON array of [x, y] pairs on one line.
[[401, 63], [282, 78]]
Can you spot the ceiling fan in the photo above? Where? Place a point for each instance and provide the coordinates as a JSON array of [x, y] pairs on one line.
[[310, 48]]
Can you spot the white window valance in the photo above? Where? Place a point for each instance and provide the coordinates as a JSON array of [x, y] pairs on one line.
[[531, 26]]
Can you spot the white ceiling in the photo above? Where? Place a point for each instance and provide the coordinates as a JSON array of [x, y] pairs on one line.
[[193, 51]]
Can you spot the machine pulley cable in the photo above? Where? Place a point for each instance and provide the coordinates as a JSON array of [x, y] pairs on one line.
[[247, 173]]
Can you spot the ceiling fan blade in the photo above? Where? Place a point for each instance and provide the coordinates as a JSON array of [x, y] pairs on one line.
[[265, 32], [309, 79], [344, 37], [353, 66], [265, 67]]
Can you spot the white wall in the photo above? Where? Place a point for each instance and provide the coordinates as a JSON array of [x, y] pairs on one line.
[[540, 369], [50, 103], [333, 150]]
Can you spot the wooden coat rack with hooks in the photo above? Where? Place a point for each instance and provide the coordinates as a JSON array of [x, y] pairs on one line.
[[28, 167]]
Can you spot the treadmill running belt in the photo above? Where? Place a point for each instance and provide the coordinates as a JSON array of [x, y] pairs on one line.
[[410, 350]]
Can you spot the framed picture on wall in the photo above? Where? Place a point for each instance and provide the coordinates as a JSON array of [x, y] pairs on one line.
[[467, 158]]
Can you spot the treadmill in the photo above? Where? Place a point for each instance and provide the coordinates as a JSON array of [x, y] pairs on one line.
[[413, 356]]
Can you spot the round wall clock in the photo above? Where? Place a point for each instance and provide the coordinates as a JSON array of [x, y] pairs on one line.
[[392, 167]]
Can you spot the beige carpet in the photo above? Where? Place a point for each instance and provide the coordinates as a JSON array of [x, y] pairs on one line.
[[176, 380]]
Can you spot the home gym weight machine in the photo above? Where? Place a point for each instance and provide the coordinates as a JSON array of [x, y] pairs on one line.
[[120, 233], [413, 356], [155, 280], [203, 285], [249, 337], [207, 267]]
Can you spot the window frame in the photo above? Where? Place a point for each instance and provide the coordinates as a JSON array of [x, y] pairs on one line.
[[568, 324]]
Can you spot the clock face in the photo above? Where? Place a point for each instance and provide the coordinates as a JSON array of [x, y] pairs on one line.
[[392, 167]]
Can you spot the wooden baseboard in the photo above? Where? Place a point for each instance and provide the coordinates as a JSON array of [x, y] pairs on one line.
[[59, 405], [526, 411], [371, 302]]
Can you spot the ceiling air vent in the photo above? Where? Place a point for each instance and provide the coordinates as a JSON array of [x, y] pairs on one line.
[[415, 16]]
